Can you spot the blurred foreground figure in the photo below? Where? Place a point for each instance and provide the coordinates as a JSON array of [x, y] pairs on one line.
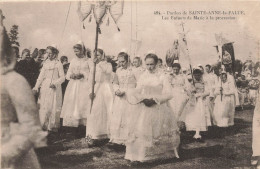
[[20, 125], [256, 129]]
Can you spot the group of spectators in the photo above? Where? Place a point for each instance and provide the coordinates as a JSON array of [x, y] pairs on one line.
[[247, 83]]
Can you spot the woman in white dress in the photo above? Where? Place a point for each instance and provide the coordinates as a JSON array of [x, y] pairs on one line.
[[98, 119], [224, 107], [178, 83], [211, 79], [137, 67], [74, 109], [124, 82], [154, 132], [197, 119], [190, 91], [50, 79]]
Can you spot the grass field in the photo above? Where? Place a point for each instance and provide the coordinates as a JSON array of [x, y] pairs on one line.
[[228, 148]]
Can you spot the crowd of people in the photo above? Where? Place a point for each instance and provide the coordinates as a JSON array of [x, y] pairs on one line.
[[141, 106], [247, 83], [157, 99]]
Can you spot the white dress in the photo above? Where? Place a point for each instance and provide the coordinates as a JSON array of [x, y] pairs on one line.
[[232, 80], [197, 118], [74, 109], [189, 88], [125, 81], [224, 109], [98, 119], [51, 99], [211, 79], [153, 133], [138, 71], [180, 97]]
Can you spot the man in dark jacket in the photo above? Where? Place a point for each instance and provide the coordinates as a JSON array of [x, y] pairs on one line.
[[28, 68]]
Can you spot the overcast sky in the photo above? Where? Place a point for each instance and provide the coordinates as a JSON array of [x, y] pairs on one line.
[[41, 24]]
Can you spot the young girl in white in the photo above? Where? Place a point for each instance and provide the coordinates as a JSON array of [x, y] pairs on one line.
[[74, 109], [178, 83], [225, 102], [50, 79], [197, 118], [125, 82], [98, 119], [137, 67]]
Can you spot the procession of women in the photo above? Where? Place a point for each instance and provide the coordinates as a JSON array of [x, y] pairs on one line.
[[141, 107], [141, 103]]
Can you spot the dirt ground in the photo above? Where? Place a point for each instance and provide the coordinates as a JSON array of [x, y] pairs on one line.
[[228, 148]]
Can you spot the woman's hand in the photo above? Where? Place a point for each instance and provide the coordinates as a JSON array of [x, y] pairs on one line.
[[204, 95], [146, 102], [95, 60], [119, 93], [92, 96], [79, 76], [122, 93], [181, 125], [35, 91], [197, 95], [152, 102], [73, 76], [211, 98], [221, 89], [52, 86], [149, 102]]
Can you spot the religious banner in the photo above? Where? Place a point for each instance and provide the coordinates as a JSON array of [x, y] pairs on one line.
[[228, 56], [100, 9]]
